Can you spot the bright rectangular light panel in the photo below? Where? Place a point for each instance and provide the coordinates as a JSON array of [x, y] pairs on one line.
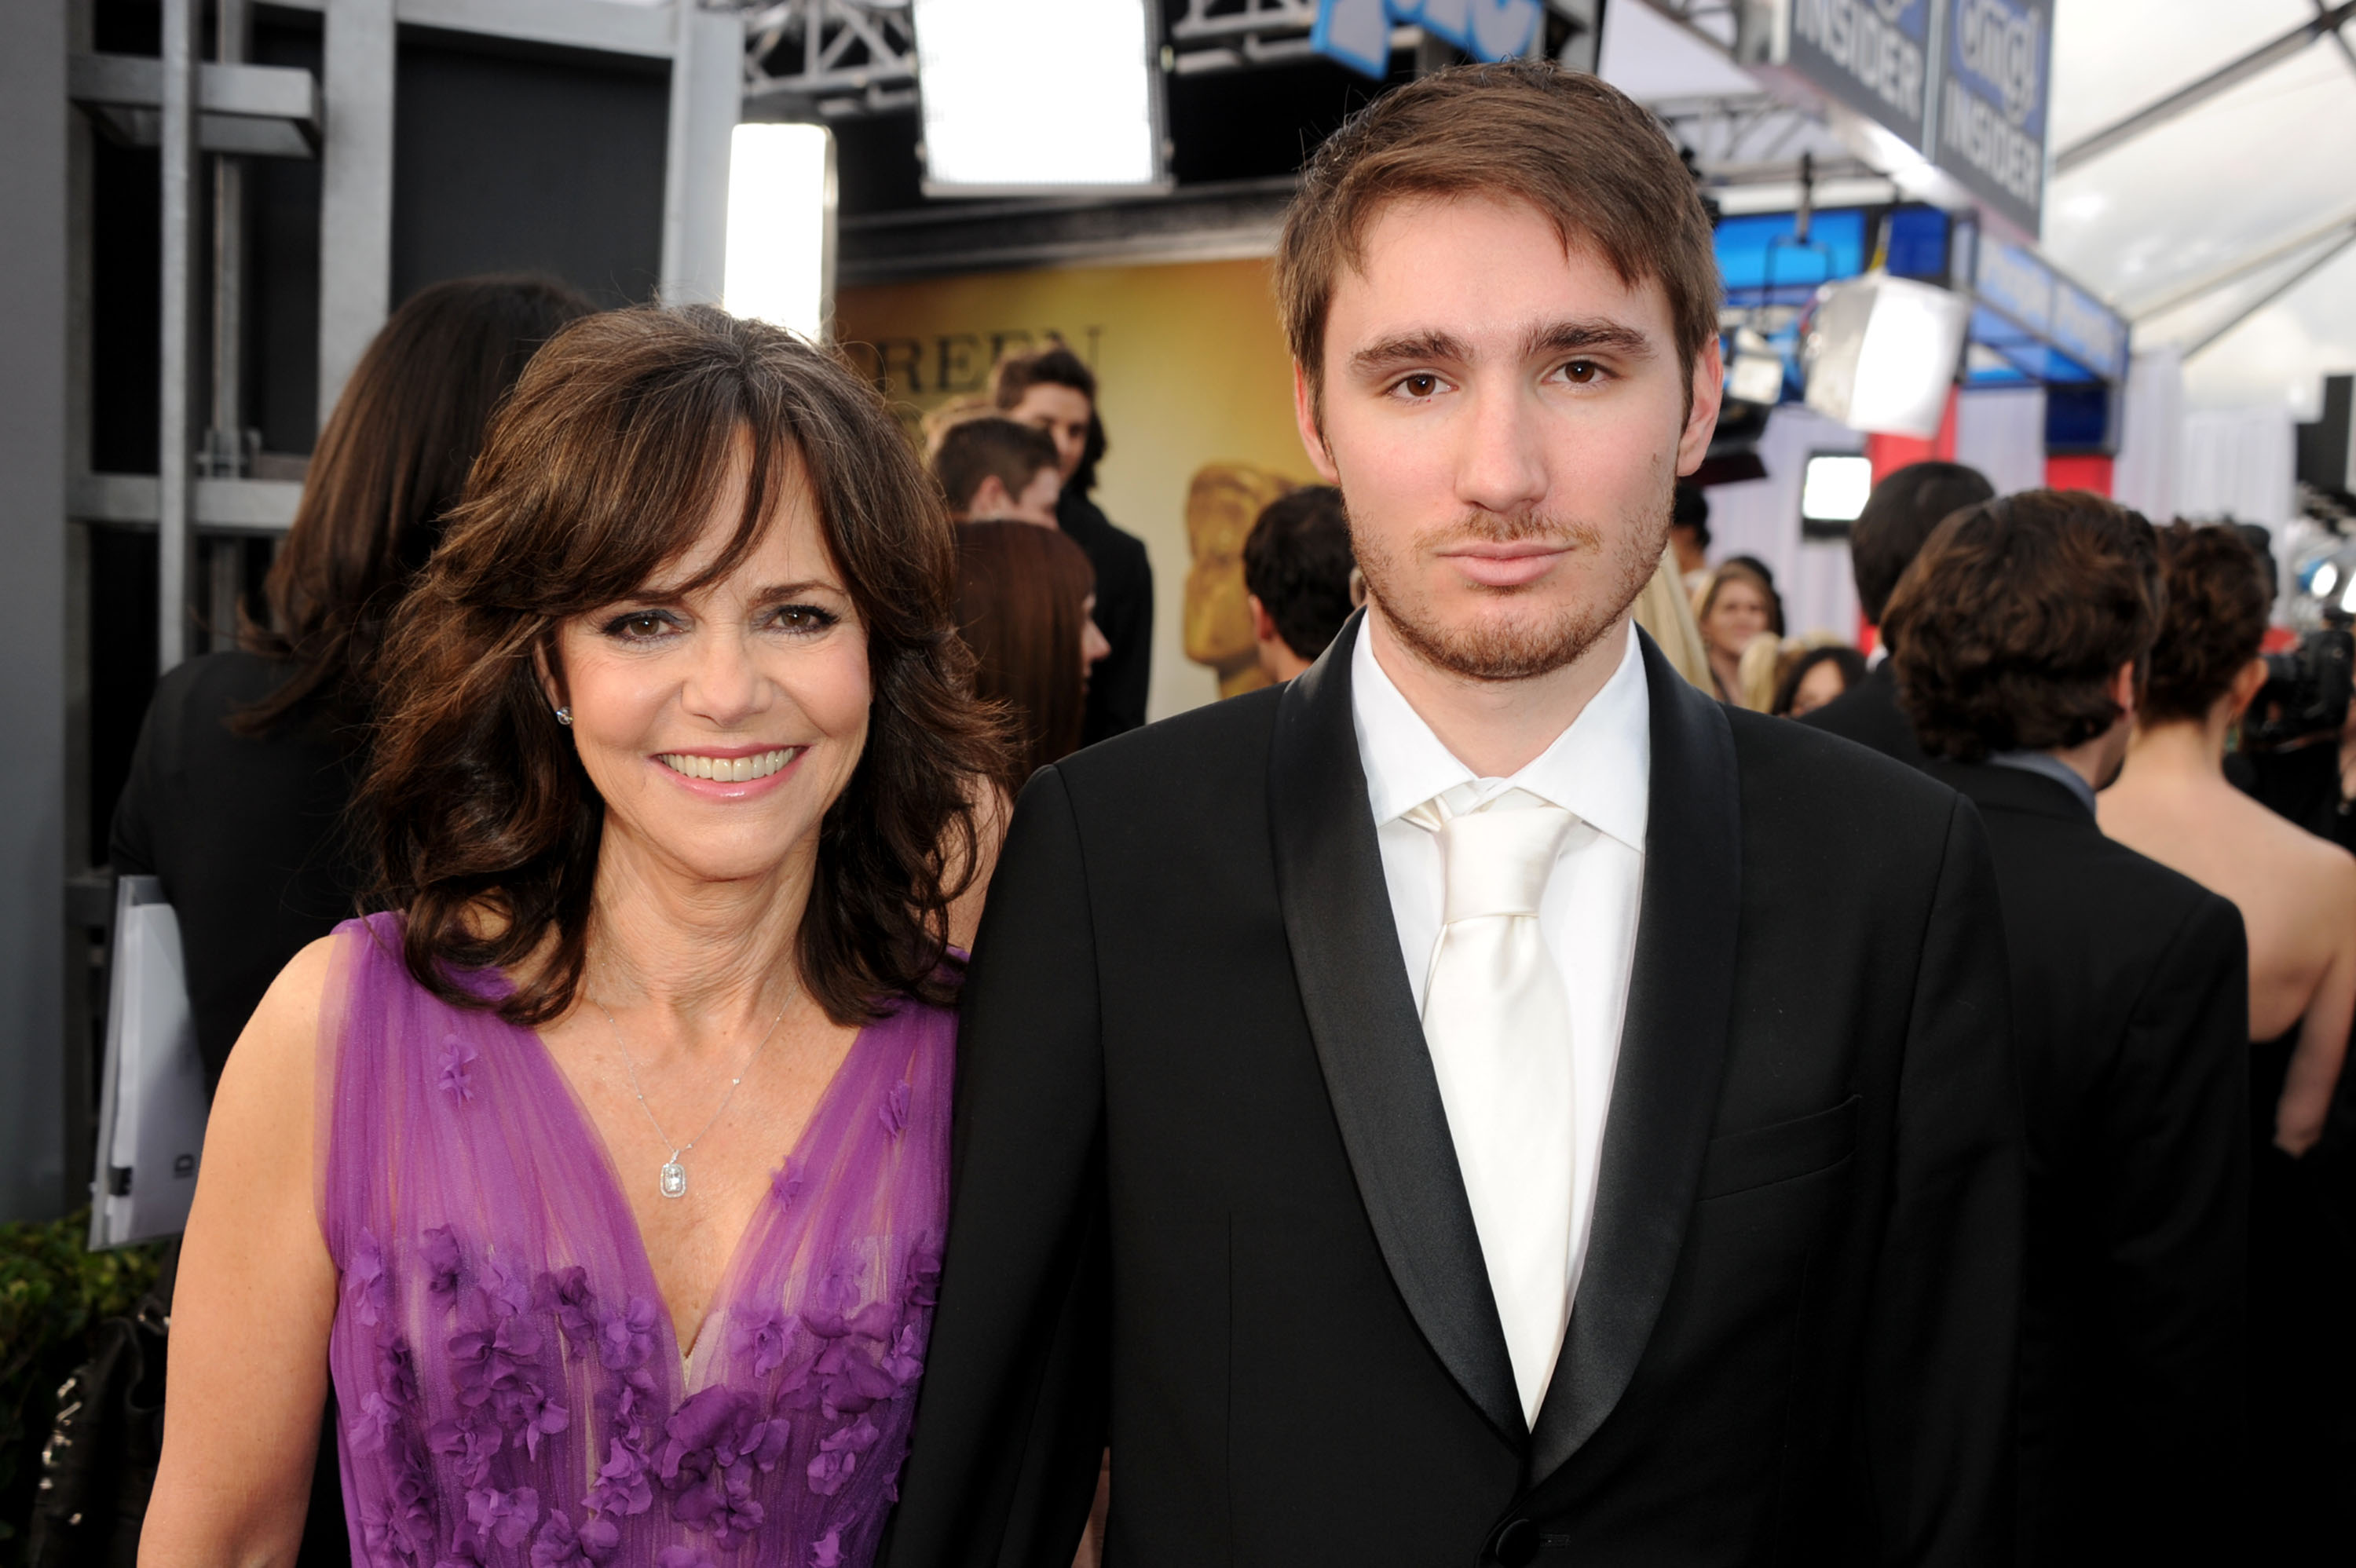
[[779, 208], [1833, 489], [1046, 96]]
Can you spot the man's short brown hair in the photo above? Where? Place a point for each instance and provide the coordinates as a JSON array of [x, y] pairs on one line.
[[2008, 630], [2217, 607], [976, 449], [1585, 155]]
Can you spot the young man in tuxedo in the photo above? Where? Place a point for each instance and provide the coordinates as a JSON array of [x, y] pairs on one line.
[[1483, 1101], [2020, 635]]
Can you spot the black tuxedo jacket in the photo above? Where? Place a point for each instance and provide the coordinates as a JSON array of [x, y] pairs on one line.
[[1869, 714], [1206, 1201], [2131, 1017]]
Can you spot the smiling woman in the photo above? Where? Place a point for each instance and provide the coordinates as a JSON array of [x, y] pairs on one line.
[[606, 1170]]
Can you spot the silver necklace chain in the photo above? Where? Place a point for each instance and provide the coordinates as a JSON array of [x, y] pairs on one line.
[[674, 1182]]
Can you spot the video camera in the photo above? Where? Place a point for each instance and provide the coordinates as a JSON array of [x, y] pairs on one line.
[[2306, 694]]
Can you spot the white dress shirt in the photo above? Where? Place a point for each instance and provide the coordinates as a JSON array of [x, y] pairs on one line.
[[1599, 770]]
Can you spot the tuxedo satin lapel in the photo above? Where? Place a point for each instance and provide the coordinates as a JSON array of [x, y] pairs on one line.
[[1664, 1090], [1345, 957]]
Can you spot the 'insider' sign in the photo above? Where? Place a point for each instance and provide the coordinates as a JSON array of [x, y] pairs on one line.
[[1872, 54], [1992, 102]]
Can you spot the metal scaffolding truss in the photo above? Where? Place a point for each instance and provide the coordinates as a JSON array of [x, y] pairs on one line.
[[1746, 138], [830, 58]]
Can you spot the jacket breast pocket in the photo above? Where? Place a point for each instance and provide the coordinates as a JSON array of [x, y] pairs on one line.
[[1760, 1157]]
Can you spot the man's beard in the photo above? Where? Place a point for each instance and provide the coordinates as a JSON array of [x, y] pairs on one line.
[[1509, 649]]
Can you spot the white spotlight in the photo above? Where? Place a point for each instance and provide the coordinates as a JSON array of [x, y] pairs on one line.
[[1881, 353], [1050, 97], [781, 226], [1833, 489]]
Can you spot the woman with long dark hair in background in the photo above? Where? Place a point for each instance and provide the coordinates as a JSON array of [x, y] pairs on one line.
[[1026, 603], [247, 758]]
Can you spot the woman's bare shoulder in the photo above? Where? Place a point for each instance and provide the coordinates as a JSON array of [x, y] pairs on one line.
[[274, 1059]]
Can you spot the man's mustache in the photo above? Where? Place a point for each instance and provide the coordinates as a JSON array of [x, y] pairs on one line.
[[1515, 528]]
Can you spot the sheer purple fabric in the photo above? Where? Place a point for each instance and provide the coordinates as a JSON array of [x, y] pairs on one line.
[[512, 1391]]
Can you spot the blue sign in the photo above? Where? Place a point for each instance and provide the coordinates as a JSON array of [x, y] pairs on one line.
[[1992, 101], [1357, 33], [2047, 326], [1872, 55]]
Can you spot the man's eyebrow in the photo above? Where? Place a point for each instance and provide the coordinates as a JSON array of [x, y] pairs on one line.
[[1586, 337], [1409, 348]]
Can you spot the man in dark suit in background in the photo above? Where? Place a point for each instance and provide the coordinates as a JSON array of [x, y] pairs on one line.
[[1898, 517], [1483, 1101], [2020, 636], [1053, 389]]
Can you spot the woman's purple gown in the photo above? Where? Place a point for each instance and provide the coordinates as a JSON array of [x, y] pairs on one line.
[[512, 1389]]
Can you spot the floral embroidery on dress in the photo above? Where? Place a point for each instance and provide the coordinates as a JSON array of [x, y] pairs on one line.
[[511, 1391]]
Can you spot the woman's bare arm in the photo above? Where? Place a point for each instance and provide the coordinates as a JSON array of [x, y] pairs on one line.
[[251, 1307], [2323, 1027]]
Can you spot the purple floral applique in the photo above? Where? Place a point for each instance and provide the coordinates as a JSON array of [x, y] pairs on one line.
[[893, 1112], [716, 1442], [470, 1443], [366, 1284], [768, 1337], [505, 1292], [457, 1079], [396, 1375], [838, 1455], [509, 1516], [904, 1361], [403, 1522], [627, 1338], [489, 1361], [623, 1490], [786, 1181], [924, 1286], [372, 1424], [444, 1263], [566, 1293], [558, 1545], [827, 1551]]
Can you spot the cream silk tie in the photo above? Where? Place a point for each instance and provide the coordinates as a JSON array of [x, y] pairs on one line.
[[1497, 1024]]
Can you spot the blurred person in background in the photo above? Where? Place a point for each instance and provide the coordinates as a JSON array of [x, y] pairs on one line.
[[1054, 390], [247, 759], [1814, 676], [1297, 567], [992, 469], [2296, 893], [1736, 606], [1026, 601], [629, 1110], [2019, 640], [1898, 516], [1689, 537]]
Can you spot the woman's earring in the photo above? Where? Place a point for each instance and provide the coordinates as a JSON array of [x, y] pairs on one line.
[[565, 716]]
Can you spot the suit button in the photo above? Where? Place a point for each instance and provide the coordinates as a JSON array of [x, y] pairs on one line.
[[1515, 1542]]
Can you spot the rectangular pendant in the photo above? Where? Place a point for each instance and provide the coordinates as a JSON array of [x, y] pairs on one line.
[[674, 1180]]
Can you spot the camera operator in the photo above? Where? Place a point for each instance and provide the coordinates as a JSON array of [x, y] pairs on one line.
[[2299, 739], [2297, 898]]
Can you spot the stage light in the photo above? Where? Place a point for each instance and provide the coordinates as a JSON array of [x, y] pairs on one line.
[[1054, 97], [1833, 489], [1881, 353], [780, 260]]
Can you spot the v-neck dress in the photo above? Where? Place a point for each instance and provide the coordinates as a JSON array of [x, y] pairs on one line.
[[512, 1389]]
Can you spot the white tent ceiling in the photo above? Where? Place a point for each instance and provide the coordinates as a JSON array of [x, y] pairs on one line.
[[2255, 166]]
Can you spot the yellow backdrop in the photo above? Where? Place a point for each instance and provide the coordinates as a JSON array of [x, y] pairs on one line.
[[1193, 376]]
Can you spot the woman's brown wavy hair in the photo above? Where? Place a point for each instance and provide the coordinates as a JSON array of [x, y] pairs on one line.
[[599, 471], [2217, 604]]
